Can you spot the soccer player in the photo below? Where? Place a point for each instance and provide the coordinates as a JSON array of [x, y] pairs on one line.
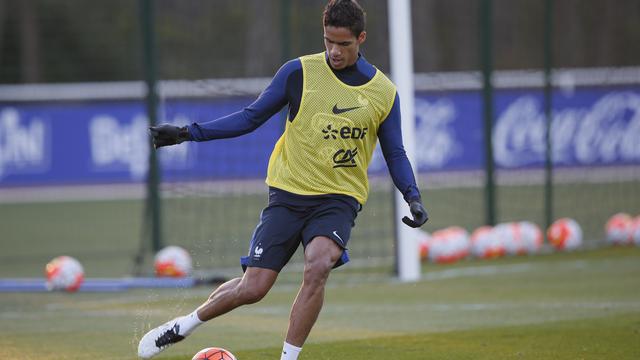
[[339, 106]]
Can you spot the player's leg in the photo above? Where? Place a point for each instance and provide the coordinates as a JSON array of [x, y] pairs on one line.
[[248, 289], [274, 241], [320, 256], [325, 237]]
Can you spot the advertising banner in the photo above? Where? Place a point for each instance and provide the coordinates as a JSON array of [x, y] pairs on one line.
[[96, 142]]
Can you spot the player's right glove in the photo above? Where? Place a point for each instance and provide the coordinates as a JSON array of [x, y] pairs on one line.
[[418, 213], [165, 134]]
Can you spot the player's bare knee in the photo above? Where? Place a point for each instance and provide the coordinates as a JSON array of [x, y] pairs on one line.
[[322, 251], [251, 292], [253, 295], [316, 271], [255, 284]]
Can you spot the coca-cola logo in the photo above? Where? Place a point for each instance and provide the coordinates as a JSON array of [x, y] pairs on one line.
[[611, 130], [607, 132]]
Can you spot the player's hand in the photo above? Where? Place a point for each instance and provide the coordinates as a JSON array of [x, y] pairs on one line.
[[418, 213], [165, 134]]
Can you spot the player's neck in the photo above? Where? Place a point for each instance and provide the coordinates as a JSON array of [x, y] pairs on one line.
[[348, 68]]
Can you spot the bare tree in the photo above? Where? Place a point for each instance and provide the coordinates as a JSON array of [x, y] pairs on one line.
[[29, 42], [262, 42], [3, 8], [425, 39]]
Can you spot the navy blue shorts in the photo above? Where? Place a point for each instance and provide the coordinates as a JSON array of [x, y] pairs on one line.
[[291, 219]]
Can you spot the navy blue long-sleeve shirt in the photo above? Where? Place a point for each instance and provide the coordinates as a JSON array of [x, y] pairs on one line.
[[286, 88]]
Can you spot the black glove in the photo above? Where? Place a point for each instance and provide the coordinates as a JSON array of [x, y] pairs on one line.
[[419, 215], [166, 134]]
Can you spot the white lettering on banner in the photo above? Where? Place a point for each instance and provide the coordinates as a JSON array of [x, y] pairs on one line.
[[517, 132], [22, 147], [606, 135], [116, 145], [607, 132], [437, 143]]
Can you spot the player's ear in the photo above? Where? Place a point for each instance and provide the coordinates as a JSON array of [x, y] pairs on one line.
[[362, 37]]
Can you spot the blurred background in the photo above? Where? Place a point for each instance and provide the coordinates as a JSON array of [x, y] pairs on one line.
[[63, 41], [75, 163]]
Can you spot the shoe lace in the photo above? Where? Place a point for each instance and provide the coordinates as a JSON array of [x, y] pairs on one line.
[[169, 337]]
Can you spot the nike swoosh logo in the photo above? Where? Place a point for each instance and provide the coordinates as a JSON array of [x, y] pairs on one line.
[[337, 110], [338, 236]]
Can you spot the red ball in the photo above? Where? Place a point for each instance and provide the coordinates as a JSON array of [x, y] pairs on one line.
[[213, 353]]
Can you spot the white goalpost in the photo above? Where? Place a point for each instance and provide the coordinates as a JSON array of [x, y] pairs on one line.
[[401, 53]]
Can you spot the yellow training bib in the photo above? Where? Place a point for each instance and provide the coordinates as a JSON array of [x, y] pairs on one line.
[[327, 147]]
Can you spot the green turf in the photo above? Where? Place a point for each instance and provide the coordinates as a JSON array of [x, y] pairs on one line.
[[582, 305], [105, 235], [615, 337]]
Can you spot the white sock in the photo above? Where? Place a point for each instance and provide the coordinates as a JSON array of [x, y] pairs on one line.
[[189, 323], [290, 352]]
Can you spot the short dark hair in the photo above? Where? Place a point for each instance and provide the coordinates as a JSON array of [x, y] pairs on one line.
[[345, 13]]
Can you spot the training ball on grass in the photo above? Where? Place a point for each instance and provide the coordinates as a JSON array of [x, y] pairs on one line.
[[485, 243], [531, 237], [423, 239], [635, 230], [213, 353], [64, 273], [449, 245], [565, 234], [173, 261], [519, 238], [619, 229], [509, 235]]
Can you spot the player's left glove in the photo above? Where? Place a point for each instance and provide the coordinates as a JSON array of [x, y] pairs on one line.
[[418, 213]]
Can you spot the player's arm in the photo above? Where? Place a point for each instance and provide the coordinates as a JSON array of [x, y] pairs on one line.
[[390, 136], [270, 101]]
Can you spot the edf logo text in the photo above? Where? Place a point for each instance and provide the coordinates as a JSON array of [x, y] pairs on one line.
[[345, 132]]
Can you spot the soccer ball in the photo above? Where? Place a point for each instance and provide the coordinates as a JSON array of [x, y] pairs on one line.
[[486, 244], [509, 235], [531, 236], [213, 353], [449, 245], [635, 230], [565, 234], [423, 239], [619, 229], [173, 261], [64, 273], [519, 238]]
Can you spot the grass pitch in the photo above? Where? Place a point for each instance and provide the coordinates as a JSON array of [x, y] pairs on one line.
[[106, 235], [583, 305]]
